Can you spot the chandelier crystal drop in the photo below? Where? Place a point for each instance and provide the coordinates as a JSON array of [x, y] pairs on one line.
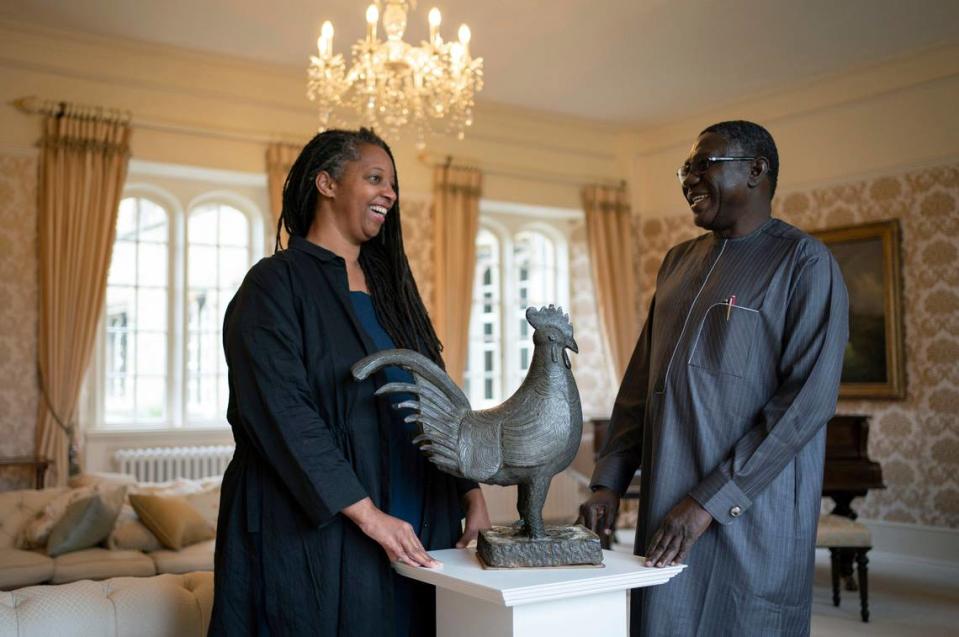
[[392, 84]]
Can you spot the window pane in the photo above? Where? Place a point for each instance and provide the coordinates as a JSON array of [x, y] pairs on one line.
[[152, 309], [118, 398], [152, 264], [203, 226], [151, 353], [234, 263], [203, 266], [127, 220], [137, 301], [123, 264], [121, 307], [153, 223], [202, 404], [219, 257], [234, 228], [483, 355], [151, 398]]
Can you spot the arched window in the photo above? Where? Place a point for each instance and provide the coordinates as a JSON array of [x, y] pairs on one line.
[[534, 268], [484, 377], [160, 363], [137, 315], [520, 262], [218, 256]]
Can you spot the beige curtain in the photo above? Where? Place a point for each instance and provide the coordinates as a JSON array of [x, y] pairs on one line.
[[279, 160], [83, 165], [456, 195], [610, 238]]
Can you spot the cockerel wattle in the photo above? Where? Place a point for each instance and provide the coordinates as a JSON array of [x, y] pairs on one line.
[[524, 441]]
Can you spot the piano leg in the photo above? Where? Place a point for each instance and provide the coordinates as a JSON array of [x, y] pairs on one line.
[[861, 562], [834, 572]]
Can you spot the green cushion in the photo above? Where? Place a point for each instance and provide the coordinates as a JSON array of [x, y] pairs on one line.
[[86, 523]]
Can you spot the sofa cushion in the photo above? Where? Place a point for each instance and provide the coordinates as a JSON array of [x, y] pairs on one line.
[[19, 507], [142, 606], [23, 568], [95, 478], [207, 502], [86, 523], [198, 557], [37, 531], [100, 564], [129, 533], [172, 519]]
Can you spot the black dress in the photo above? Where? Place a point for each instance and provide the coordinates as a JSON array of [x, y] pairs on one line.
[[309, 442]]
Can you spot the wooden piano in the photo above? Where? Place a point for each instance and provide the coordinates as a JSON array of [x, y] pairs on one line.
[[848, 473]]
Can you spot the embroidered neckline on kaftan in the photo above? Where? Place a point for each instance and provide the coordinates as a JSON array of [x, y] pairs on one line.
[[689, 312]]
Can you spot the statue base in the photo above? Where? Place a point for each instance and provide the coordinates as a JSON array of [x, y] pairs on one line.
[[509, 547]]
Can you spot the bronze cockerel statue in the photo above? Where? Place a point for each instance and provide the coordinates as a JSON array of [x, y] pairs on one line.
[[525, 441]]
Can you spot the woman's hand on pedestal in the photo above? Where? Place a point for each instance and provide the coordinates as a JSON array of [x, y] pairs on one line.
[[396, 536]]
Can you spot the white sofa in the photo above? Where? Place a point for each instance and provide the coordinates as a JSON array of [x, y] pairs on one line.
[[164, 605], [20, 568]]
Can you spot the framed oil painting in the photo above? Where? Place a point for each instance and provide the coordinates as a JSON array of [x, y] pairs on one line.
[[868, 255]]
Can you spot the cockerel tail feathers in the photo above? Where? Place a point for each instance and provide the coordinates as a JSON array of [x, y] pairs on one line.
[[455, 442]]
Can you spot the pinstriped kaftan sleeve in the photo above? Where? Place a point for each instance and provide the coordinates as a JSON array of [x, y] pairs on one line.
[[622, 453], [814, 339]]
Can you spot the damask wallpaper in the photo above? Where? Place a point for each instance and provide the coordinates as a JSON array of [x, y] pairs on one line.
[[917, 439], [18, 313]]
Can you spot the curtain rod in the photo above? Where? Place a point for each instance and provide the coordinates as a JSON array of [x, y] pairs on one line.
[[36, 106], [432, 160]]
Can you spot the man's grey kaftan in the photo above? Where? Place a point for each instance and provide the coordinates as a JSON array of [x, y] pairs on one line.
[[727, 402]]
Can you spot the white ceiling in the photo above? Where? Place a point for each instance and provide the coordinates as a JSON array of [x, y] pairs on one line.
[[623, 61]]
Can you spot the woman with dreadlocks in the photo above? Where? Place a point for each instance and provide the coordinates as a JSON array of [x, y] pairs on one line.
[[326, 487]]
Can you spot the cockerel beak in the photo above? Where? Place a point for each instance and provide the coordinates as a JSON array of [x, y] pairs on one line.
[[573, 347]]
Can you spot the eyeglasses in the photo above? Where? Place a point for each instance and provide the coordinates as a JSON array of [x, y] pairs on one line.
[[701, 165]]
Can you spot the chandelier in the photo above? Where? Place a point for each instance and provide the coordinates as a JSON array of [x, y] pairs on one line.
[[393, 84]]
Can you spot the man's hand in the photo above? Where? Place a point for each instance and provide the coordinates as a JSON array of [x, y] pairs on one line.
[[598, 514], [396, 536], [676, 535], [477, 516]]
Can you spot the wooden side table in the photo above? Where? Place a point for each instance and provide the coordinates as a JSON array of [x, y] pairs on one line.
[[39, 466]]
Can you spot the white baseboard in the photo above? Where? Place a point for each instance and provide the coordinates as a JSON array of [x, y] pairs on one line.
[[915, 541]]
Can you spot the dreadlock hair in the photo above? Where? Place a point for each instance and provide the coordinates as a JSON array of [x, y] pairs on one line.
[[396, 299], [754, 140]]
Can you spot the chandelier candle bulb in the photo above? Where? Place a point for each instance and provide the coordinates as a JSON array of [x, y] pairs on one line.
[[325, 43], [372, 17], [465, 36], [435, 19]]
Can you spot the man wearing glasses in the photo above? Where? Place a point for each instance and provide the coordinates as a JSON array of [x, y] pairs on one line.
[[724, 404]]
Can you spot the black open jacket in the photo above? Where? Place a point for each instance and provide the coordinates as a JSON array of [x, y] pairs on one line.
[[309, 441]]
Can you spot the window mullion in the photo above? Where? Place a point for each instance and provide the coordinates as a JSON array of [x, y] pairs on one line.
[[175, 313], [507, 306]]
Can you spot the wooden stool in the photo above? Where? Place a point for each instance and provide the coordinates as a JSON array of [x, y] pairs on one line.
[[838, 533]]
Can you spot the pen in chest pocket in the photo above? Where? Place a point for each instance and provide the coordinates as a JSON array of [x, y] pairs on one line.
[[730, 302]]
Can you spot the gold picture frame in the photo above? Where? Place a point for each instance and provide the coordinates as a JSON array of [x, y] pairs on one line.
[[868, 255]]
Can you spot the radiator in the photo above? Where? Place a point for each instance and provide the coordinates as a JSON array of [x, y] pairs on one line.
[[160, 464]]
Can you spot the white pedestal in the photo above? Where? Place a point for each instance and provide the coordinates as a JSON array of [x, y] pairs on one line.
[[474, 602]]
